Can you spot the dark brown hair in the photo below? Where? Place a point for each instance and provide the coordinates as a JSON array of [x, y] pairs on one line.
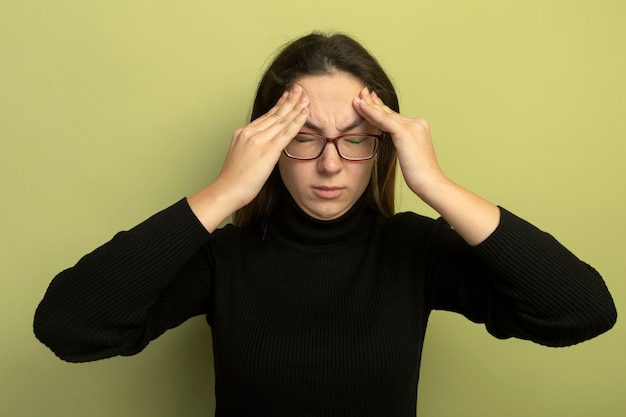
[[315, 54]]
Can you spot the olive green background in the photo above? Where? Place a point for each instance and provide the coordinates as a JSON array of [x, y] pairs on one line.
[[113, 110]]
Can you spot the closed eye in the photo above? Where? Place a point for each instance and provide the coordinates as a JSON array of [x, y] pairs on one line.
[[355, 140], [304, 139]]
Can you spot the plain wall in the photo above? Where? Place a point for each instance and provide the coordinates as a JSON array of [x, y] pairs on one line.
[[113, 110]]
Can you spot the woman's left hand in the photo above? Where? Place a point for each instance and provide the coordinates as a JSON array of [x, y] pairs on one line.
[[411, 138], [473, 217]]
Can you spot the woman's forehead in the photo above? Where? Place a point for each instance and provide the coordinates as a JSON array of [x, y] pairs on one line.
[[331, 101]]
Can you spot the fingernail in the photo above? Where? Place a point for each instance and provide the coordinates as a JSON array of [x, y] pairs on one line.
[[295, 89]]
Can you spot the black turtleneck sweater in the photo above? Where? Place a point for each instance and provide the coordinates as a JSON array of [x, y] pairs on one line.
[[313, 318]]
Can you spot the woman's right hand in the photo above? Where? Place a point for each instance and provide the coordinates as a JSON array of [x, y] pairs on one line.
[[252, 156]]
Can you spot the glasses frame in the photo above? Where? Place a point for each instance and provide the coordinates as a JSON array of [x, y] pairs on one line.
[[334, 140]]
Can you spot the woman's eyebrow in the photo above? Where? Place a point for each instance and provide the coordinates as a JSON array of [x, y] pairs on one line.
[[356, 123]]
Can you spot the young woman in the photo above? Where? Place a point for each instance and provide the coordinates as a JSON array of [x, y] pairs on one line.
[[319, 294]]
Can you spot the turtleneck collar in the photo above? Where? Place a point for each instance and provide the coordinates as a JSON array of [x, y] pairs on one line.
[[290, 223]]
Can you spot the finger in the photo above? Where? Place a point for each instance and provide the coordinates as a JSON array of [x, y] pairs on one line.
[[290, 100], [378, 101], [276, 129], [372, 99], [288, 116], [264, 116], [287, 127], [294, 96], [375, 111]]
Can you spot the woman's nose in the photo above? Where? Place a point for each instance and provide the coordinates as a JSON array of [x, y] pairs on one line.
[[330, 162]]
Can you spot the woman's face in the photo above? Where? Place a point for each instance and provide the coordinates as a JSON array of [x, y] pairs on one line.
[[327, 187]]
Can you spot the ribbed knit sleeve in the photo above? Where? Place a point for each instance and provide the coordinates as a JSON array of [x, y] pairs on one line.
[[124, 294], [520, 282], [544, 292]]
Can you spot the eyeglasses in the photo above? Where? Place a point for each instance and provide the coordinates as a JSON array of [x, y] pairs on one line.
[[351, 147]]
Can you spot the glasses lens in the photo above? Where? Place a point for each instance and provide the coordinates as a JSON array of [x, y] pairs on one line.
[[357, 146], [305, 146], [310, 146]]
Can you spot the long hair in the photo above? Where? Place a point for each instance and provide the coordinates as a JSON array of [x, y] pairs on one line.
[[317, 54]]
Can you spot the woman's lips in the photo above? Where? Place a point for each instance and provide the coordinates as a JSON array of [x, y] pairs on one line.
[[327, 191]]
